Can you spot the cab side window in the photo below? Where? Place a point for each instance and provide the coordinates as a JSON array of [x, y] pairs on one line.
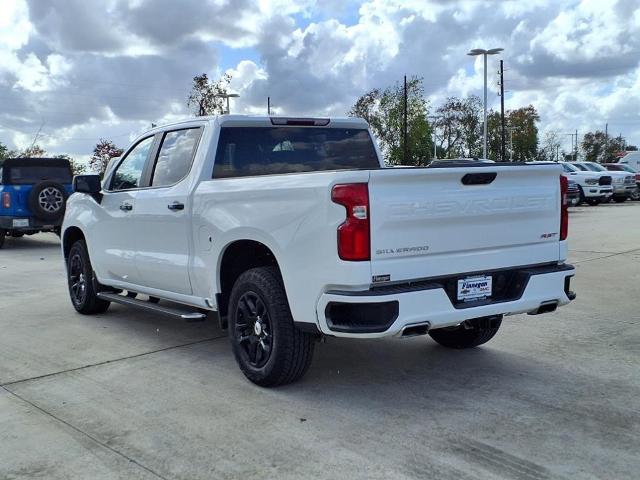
[[128, 174], [175, 156]]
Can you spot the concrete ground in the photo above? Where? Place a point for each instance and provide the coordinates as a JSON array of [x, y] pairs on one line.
[[128, 395]]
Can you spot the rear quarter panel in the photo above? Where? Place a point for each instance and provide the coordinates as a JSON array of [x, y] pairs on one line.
[[291, 214]]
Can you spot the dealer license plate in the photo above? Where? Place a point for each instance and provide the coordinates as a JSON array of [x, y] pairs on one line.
[[20, 222], [472, 288]]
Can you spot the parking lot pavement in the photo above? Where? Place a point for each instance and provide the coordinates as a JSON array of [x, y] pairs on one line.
[[129, 395]]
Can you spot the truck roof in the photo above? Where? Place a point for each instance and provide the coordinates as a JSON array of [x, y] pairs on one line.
[[35, 162], [265, 120]]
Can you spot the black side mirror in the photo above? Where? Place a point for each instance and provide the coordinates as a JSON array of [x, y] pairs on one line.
[[89, 184]]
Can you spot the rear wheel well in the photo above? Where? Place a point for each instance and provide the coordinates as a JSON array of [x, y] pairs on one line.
[[71, 236], [239, 257]]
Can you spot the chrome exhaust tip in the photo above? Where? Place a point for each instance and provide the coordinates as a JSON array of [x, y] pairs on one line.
[[415, 329], [545, 307]]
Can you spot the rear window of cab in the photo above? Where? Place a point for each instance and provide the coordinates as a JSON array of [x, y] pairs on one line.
[[250, 151]]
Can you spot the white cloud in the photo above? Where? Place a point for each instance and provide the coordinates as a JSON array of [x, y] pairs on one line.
[[92, 70]]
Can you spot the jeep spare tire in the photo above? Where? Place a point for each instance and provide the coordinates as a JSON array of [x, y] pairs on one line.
[[47, 201]]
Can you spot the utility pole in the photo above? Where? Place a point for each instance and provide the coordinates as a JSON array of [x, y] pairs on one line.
[[502, 139], [606, 142], [268, 105], [405, 127], [575, 155]]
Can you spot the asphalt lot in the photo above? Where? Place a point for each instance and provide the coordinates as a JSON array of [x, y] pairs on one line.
[[129, 395]]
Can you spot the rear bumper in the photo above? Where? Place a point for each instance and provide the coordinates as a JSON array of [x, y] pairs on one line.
[[27, 224], [387, 311]]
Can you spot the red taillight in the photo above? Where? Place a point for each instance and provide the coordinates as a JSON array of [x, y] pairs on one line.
[[564, 208], [353, 234], [6, 199], [637, 177]]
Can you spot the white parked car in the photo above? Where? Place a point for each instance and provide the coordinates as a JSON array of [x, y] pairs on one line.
[[291, 229], [623, 183], [595, 187]]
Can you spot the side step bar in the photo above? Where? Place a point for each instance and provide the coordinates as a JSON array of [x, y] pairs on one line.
[[152, 307]]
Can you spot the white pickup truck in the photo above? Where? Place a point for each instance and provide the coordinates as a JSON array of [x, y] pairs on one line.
[[292, 229]]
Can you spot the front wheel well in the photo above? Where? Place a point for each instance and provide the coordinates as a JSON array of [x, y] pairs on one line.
[[238, 257], [71, 236]]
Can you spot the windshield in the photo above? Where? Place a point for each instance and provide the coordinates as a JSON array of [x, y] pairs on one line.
[[245, 151], [594, 167], [570, 168], [580, 167]]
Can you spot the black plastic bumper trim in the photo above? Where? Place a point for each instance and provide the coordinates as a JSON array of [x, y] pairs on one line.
[[370, 317], [433, 283], [509, 284]]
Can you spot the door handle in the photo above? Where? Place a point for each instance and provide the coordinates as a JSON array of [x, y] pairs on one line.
[[126, 207], [175, 206]]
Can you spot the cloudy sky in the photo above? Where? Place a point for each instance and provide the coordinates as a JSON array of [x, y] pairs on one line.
[[77, 70]]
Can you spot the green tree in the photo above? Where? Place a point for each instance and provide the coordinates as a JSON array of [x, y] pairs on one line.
[[103, 152], [206, 95], [494, 136], [458, 127], [34, 151], [77, 168], [525, 132], [597, 147], [550, 148], [384, 111]]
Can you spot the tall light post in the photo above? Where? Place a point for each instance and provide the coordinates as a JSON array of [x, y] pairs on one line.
[[227, 96], [484, 53], [511, 129], [434, 119]]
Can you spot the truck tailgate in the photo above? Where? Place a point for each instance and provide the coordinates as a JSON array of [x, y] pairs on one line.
[[427, 222]]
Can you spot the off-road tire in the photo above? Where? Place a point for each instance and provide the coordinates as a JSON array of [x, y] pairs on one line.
[[620, 199], [2, 235], [469, 334], [84, 300], [291, 350], [58, 196], [594, 201]]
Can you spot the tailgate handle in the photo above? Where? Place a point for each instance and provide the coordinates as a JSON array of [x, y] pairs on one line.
[[478, 178]]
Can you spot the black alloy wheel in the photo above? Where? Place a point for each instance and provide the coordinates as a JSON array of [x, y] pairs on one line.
[[253, 330], [268, 347], [83, 286], [77, 279]]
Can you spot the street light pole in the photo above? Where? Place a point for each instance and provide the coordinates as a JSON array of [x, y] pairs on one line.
[[484, 53], [511, 129], [484, 124], [433, 119], [227, 96]]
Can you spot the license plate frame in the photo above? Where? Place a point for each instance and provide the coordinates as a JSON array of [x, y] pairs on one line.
[[20, 222], [476, 287]]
